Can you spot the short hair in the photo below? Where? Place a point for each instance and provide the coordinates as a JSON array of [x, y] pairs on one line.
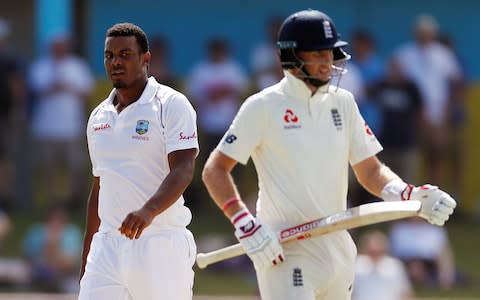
[[129, 29]]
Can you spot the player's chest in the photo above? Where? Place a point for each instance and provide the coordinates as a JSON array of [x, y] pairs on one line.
[[136, 131], [303, 123], [303, 127]]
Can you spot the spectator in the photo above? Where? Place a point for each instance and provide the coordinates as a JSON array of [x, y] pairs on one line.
[[456, 120], [426, 251], [352, 81], [159, 66], [12, 119], [264, 62], [53, 249], [399, 102], [379, 276], [216, 86], [61, 82], [365, 57], [14, 272], [434, 68], [371, 68]]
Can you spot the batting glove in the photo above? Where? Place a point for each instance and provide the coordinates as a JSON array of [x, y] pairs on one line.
[[260, 243], [437, 206]]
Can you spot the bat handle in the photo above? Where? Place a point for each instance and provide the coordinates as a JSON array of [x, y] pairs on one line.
[[205, 259]]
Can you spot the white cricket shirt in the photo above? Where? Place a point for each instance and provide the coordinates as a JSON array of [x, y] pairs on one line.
[[301, 146], [129, 153]]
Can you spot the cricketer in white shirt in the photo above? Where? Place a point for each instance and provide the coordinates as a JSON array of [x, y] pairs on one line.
[[129, 153], [301, 145]]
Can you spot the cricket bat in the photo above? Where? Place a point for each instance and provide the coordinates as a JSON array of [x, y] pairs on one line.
[[354, 217]]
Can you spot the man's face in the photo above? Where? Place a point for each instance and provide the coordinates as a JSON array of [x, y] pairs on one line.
[[318, 63], [124, 63]]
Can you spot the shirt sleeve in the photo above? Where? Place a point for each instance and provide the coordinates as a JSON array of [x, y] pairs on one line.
[[180, 124], [245, 132], [363, 143], [89, 135]]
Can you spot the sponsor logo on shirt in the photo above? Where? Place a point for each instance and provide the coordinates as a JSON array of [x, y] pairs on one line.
[[337, 119], [142, 127], [101, 126], [291, 120], [183, 137], [141, 138]]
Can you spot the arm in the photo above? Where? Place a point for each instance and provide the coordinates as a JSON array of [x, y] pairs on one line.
[[378, 179], [260, 243], [182, 164], [220, 185], [93, 222], [373, 175]]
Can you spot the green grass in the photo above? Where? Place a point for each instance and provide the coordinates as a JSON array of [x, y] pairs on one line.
[[464, 235]]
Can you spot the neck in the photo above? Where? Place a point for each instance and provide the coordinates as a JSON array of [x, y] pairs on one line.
[[126, 96]]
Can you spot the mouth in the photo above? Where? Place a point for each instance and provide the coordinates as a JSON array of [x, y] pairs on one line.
[[117, 73]]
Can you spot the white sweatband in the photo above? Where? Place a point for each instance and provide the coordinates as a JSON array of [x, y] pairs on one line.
[[392, 191], [242, 218]]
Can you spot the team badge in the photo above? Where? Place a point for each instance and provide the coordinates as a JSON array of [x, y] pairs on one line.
[[336, 118], [142, 127], [297, 277], [327, 30]]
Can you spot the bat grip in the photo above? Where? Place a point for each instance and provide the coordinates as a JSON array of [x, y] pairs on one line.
[[205, 259]]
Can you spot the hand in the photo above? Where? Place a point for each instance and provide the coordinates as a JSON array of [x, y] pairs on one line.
[[260, 243], [136, 222], [437, 206]]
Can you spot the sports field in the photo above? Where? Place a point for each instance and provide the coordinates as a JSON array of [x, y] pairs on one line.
[[72, 297]]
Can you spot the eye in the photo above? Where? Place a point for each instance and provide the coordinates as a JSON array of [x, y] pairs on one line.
[[108, 56]]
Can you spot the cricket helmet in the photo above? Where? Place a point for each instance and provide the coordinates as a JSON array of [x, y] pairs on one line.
[[308, 30]]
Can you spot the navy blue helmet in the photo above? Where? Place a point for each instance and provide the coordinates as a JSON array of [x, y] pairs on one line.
[[308, 30]]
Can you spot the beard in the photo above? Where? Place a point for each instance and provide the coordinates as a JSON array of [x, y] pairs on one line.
[[119, 84]]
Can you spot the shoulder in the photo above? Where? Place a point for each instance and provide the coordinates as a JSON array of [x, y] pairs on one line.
[[171, 99], [271, 94], [98, 108], [341, 95], [167, 95], [261, 99]]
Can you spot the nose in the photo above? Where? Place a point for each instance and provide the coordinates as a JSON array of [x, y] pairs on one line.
[[116, 60]]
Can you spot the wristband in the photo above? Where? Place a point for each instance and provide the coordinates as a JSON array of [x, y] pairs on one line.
[[243, 220], [395, 190], [229, 203]]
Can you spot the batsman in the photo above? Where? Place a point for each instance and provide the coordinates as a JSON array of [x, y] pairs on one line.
[[302, 133]]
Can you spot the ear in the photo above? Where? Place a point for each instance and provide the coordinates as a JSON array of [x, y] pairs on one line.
[[147, 56]]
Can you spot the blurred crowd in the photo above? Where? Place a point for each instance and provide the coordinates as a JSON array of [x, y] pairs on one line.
[[413, 100]]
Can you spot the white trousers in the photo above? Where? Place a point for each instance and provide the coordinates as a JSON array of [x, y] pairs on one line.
[[308, 275], [154, 267]]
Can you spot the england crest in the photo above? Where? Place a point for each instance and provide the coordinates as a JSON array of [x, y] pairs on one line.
[[142, 127]]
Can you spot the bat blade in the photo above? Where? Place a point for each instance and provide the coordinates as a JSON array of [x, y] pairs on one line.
[[354, 217]]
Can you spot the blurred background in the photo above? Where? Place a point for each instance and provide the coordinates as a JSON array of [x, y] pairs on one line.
[[423, 105]]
